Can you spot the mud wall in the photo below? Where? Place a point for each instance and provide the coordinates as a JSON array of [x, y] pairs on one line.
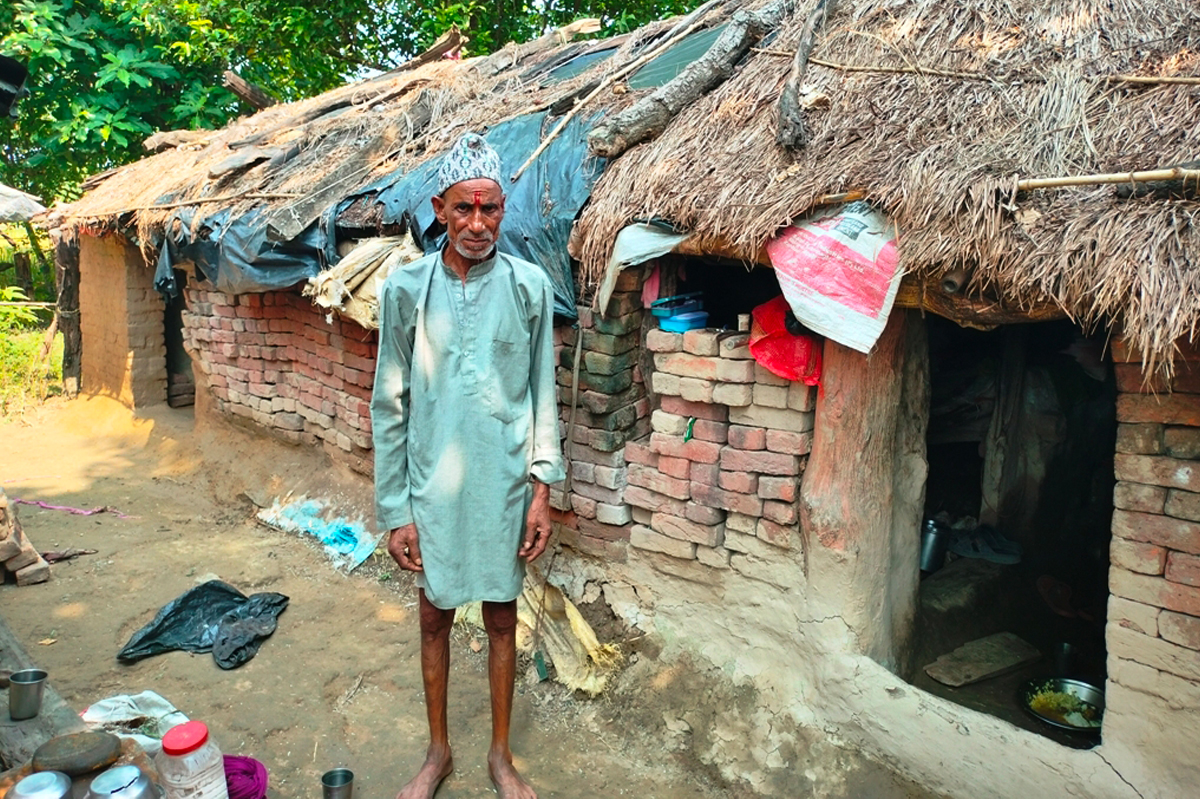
[[124, 352]]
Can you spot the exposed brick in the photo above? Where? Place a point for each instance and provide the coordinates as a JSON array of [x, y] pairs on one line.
[[686, 365], [1157, 653], [777, 418], [659, 482], [701, 342], [37, 572], [642, 515], [675, 467], [688, 531], [671, 424], [1154, 591], [736, 346], [664, 383], [1139, 497], [640, 453], [610, 514], [734, 394], [1181, 629], [802, 397], [602, 364], [583, 506], [715, 497], [611, 477], [694, 450], [764, 375], [660, 341], [707, 474], [1129, 614], [1179, 409], [709, 431], [771, 487], [599, 530], [790, 442], [746, 438], [28, 555], [645, 538], [703, 514], [696, 390], [779, 512], [598, 493], [770, 396], [1130, 378], [1142, 439], [744, 482], [1181, 504], [763, 461], [715, 557], [1148, 559], [606, 551], [676, 405], [774, 533], [1182, 442], [1168, 532], [1183, 568], [1158, 471], [735, 371], [743, 523], [619, 325], [653, 501]]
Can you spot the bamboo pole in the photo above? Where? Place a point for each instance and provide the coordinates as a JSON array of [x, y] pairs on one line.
[[220, 199], [1172, 174]]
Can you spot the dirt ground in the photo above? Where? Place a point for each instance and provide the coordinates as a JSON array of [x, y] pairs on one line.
[[338, 683]]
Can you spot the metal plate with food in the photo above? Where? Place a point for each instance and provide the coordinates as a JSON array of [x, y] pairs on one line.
[[1064, 703]]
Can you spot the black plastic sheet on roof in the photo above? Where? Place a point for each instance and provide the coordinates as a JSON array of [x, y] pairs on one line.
[[238, 256]]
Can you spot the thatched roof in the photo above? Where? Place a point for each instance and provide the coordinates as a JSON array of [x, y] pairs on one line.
[[947, 105]]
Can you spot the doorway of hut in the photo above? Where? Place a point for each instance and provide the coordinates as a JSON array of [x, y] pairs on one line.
[[181, 384], [1020, 443]]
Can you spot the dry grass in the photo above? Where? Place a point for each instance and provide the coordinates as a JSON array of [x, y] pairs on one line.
[[939, 153]]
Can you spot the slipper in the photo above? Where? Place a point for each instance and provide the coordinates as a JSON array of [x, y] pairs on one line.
[[1057, 595], [972, 544]]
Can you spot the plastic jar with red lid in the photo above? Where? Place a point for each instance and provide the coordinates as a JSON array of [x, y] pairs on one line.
[[190, 764]]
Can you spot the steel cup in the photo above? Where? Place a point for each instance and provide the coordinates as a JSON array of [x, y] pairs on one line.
[[25, 689], [337, 783]]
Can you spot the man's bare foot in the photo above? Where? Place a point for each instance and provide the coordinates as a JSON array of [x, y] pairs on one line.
[[438, 764], [505, 778]]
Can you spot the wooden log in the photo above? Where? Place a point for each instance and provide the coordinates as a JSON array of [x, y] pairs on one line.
[[649, 116], [793, 126], [255, 95], [972, 312]]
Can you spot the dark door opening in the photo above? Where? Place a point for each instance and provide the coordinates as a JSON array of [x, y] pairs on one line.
[[181, 385], [1020, 442]]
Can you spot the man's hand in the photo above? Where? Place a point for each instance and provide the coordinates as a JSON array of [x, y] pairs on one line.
[[537, 523], [404, 548]]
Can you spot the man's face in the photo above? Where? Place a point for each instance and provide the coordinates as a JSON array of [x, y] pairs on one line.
[[471, 211]]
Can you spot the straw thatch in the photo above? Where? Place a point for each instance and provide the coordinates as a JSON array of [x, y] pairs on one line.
[[1030, 95], [935, 111]]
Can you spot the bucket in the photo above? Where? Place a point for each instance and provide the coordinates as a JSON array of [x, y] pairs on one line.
[[935, 538]]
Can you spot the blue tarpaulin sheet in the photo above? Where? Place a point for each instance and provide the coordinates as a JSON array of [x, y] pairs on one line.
[[238, 256]]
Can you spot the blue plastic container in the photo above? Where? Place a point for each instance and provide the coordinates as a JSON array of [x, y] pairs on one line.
[[678, 304], [684, 322]]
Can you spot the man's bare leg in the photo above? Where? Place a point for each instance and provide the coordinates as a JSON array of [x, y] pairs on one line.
[[500, 620], [435, 671]]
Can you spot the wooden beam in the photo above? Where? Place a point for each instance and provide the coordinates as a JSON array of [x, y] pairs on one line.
[[970, 312], [255, 95]]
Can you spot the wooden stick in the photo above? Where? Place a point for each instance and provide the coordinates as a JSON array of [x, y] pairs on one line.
[[667, 41], [220, 199], [1186, 79], [1175, 174]]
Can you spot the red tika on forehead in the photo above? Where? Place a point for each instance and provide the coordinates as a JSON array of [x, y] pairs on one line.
[[478, 197]]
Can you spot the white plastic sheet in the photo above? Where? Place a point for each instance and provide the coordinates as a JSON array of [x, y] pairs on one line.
[[838, 269]]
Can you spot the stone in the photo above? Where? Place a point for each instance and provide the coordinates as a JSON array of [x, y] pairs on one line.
[[1139, 497], [1149, 559], [645, 538]]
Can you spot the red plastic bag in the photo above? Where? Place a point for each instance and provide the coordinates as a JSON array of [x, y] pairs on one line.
[[797, 358]]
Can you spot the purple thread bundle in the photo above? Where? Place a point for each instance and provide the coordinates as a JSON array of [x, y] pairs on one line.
[[246, 778]]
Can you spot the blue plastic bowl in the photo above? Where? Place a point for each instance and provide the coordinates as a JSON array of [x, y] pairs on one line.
[[684, 322]]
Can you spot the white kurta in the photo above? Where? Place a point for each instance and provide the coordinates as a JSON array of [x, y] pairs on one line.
[[463, 414]]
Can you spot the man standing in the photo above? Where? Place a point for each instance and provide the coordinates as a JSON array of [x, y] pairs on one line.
[[465, 423]]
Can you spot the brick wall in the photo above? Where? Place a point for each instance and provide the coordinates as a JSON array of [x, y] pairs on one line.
[[272, 358], [121, 323], [1154, 610]]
